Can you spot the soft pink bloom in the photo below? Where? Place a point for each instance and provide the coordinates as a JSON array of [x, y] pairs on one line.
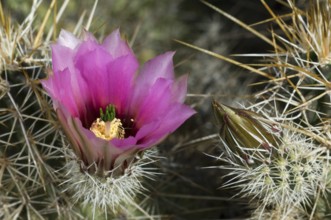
[[88, 76]]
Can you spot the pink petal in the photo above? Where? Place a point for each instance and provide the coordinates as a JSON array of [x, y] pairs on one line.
[[62, 58], [125, 144], [91, 63], [176, 115], [91, 148], [179, 89], [159, 67], [155, 103], [144, 131], [121, 74], [88, 46], [67, 39], [62, 92], [109, 81], [116, 46], [87, 36], [70, 90]]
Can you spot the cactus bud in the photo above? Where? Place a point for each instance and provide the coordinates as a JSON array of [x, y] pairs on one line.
[[244, 132]]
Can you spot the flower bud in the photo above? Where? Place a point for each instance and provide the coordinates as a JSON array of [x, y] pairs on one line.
[[246, 133]]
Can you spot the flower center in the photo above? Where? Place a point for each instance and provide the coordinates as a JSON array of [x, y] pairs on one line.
[[108, 126]]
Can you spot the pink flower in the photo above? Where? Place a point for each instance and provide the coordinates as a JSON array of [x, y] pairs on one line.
[[88, 76]]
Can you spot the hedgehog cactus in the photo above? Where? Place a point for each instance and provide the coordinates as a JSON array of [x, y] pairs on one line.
[[291, 170], [110, 115], [62, 164], [280, 168], [301, 85], [88, 154], [300, 68], [29, 146]]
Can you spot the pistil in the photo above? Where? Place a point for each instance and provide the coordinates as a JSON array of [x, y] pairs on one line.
[[108, 126]]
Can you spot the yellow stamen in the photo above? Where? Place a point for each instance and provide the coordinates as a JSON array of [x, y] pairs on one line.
[[109, 129]]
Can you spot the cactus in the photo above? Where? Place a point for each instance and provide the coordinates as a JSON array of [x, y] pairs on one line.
[[35, 158], [282, 169], [30, 151], [275, 150], [300, 86], [296, 98], [40, 176]]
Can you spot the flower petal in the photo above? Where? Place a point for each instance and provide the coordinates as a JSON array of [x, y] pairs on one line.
[[109, 81], [87, 36], [91, 63], [71, 91], [155, 104], [126, 143], [159, 67], [92, 149], [67, 39], [144, 131], [61, 92], [121, 74], [179, 89], [62, 58], [116, 46], [176, 115]]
